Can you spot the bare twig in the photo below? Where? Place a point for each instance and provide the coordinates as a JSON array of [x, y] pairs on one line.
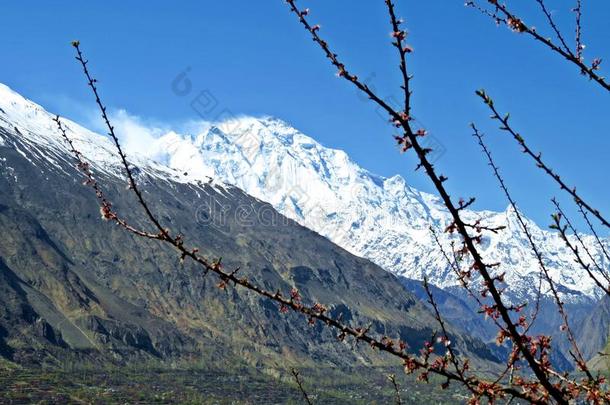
[[557, 225], [297, 378], [106, 209], [501, 15], [91, 82], [553, 25], [594, 232], [560, 307], [537, 157], [397, 398], [579, 46], [581, 242], [400, 35], [450, 356]]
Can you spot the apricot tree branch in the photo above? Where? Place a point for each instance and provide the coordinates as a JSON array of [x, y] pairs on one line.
[[502, 15], [553, 25], [594, 232], [579, 46], [446, 341], [106, 209], [397, 398], [400, 35], [580, 241]]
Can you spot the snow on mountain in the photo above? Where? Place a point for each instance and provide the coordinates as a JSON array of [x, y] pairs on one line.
[[382, 219], [41, 141]]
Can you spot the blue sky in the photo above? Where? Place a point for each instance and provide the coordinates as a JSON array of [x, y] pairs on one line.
[[254, 58]]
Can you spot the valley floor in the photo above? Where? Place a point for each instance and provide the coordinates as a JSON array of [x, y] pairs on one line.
[[196, 386]]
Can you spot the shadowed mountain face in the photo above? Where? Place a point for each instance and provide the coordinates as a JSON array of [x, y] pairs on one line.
[[75, 287], [594, 329]]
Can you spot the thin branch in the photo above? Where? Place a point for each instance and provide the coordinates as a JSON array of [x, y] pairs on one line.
[[451, 355], [580, 241], [106, 208], [579, 46], [397, 399], [553, 25], [399, 35], [297, 378], [537, 157], [91, 82], [557, 225], [493, 15], [594, 232], [502, 15], [477, 226]]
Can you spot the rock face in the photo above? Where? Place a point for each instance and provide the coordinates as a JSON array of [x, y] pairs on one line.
[[595, 329], [74, 287]]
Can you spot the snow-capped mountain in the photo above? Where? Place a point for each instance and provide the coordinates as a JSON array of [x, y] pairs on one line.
[[382, 219]]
